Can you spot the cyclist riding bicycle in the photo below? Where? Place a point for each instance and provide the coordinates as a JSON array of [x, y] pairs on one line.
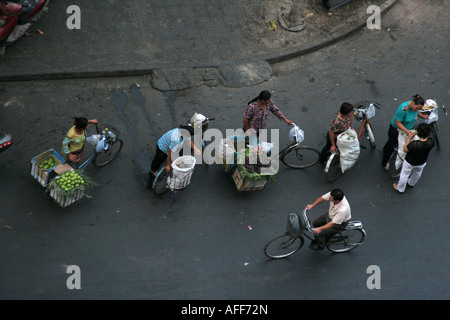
[[332, 221]]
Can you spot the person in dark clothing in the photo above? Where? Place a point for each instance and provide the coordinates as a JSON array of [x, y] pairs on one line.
[[416, 157]]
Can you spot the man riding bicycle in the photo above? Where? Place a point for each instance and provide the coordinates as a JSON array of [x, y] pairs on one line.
[[331, 222]]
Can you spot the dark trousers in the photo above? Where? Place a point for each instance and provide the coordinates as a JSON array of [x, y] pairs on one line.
[[158, 160], [322, 237], [390, 144], [325, 154]]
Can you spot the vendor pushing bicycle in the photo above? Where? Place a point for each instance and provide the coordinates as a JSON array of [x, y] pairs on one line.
[[258, 109], [169, 143], [331, 222]]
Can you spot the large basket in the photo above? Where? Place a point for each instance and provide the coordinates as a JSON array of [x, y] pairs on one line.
[[182, 171]]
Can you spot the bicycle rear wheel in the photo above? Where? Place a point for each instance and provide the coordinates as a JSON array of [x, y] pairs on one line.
[[333, 168], [159, 186], [300, 157], [392, 170], [346, 240], [105, 157], [283, 246]]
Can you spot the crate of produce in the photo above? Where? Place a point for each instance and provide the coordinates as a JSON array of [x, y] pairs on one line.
[[243, 183], [43, 165], [69, 187]]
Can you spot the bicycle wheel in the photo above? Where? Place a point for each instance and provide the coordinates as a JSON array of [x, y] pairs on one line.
[[370, 134], [283, 246], [346, 240], [434, 129], [333, 168], [159, 186], [105, 157], [392, 171], [300, 157]]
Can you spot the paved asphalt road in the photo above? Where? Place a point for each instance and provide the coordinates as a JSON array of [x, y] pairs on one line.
[[130, 244]]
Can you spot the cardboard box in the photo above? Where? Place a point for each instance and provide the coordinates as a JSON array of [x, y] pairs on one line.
[[244, 185], [41, 175]]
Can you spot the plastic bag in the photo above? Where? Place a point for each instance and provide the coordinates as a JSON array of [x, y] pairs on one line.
[[298, 133], [348, 145], [93, 139]]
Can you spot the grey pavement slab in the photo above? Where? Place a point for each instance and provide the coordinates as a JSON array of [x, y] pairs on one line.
[[176, 41]]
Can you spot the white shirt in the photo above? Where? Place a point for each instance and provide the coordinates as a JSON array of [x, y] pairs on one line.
[[340, 212]]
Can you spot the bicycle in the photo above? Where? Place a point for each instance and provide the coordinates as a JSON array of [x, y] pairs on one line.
[[299, 226], [364, 110], [294, 155], [108, 146]]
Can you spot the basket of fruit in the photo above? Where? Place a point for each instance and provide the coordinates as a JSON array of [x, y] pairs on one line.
[[42, 166], [70, 186]]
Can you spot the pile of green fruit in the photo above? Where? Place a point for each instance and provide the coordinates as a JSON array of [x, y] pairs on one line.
[[48, 164], [70, 180]]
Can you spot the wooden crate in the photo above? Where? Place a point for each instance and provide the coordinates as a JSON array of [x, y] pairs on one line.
[[41, 175], [245, 185], [65, 201]]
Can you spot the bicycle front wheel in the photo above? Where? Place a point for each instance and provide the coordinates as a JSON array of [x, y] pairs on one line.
[[346, 240], [333, 168], [393, 169], [283, 246], [301, 157], [370, 135], [159, 186], [105, 157]]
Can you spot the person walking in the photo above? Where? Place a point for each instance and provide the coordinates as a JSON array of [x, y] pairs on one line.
[[404, 120], [416, 157], [332, 221]]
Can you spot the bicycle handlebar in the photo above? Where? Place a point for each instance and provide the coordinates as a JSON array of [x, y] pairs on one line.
[[307, 223]]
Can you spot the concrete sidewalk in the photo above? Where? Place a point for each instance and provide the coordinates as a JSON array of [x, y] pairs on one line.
[[178, 43]]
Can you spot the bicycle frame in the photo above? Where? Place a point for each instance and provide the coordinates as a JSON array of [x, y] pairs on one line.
[[335, 238], [101, 145]]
